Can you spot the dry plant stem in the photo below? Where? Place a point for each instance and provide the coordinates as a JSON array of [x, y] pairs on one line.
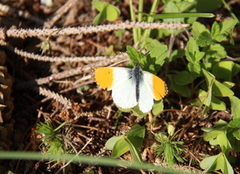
[[59, 13], [72, 72], [24, 33], [67, 103], [11, 11], [85, 59]]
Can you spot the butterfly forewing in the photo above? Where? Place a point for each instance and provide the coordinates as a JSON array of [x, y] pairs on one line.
[[123, 90]]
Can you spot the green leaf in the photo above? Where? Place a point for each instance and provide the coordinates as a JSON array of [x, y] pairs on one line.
[[235, 123], [192, 51], [134, 55], [107, 11], [169, 153], [176, 54], [207, 6], [180, 15], [171, 7], [197, 29], [158, 54], [157, 107], [194, 69], [213, 134], [218, 89], [209, 163], [162, 138], [221, 90], [235, 107], [120, 147], [134, 148], [236, 69], [223, 70], [205, 97], [182, 90], [204, 39], [236, 134], [183, 78], [136, 131], [227, 26], [112, 141], [216, 32], [217, 162], [224, 143], [216, 51], [217, 104], [124, 143]]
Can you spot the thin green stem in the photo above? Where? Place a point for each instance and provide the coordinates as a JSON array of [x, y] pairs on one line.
[[133, 18]]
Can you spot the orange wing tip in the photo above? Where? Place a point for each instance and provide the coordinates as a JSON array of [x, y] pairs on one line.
[[104, 77], [159, 88]]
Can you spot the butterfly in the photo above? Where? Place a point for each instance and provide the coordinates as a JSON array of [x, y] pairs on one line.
[[131, 87]]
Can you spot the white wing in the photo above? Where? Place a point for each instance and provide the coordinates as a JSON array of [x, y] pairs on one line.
[[124, 88], [146, 93]]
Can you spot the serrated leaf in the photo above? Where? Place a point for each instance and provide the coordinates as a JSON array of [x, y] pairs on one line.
[[194, 69], [192, 51], [235, 107], [134, 55], [215, 29], [204, 39], [227, 26], [216, 51], [176, 54], [234, 123], [197, 29]]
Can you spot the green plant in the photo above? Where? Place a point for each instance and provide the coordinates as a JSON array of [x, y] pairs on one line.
[[204, 59], [169, 150], [227, 136], [106, 11], [131, 141], [52, 138], [174, 12]]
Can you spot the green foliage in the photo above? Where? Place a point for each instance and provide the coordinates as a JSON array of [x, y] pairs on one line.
[[217, 162], [227, 136], [106, 11], [52, 138], [204, 56], [131, 141], [169, 150]]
